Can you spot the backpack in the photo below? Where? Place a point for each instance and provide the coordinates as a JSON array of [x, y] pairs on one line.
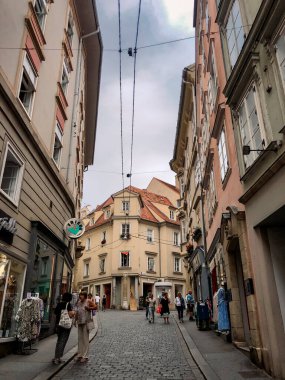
[[65, 320], [189, 299]]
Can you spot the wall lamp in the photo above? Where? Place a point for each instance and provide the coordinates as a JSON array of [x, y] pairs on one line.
[[246, 149]]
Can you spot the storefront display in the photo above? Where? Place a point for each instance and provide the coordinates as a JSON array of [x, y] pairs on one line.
[[12, 275]]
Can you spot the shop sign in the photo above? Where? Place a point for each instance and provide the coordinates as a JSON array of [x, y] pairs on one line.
[[7, 228], [74, 228]]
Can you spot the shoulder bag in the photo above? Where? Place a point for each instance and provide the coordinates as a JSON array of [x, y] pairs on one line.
[[65, 320]]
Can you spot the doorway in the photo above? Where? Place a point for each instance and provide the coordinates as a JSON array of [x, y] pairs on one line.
[[107, 292], [147, 288]]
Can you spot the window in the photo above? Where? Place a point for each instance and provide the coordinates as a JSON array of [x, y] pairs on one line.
[[149, 235], [177, 264], [171, 214], [213, 82], [126, 206], [280, 53], [250, 122], [103, 237], [41, 11], [197, 173], [150, 264], [70, 31], [57, 147], [64, 77], [176, 238], [102, 265], [183, 230], [234, 33], [223, 156], [107, 214], [125, 259], [211, 197], [44, 266], [125, 229], [28, 85], [12, 175], [86, 269], [88, 244]]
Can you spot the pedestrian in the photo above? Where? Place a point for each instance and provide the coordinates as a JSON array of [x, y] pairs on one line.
[[164, 302], [190, 302], [84, 307], [62, 333], [147, 304], [90, 297], [180, 306], [104, 302], [97, 301], [151, 306]]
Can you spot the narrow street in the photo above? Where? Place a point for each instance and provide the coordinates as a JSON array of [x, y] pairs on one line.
[[128, 347]]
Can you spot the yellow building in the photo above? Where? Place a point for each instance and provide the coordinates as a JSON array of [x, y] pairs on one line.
[[132, 247]]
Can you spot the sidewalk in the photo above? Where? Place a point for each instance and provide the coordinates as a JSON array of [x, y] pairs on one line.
[[39, 366], [217, 359]]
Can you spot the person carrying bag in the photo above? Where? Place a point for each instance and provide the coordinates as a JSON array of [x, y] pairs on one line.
[[64, 318]]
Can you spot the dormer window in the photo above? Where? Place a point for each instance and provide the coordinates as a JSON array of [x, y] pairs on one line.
[[107, 214], [126, 206], [171, 214]]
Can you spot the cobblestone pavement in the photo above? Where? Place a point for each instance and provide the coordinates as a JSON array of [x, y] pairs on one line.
[[128, 347]]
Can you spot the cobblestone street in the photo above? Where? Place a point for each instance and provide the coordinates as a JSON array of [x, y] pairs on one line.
[[128, 347]]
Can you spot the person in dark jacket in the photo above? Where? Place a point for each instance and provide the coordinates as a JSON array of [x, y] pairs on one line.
[[165, 301], [62, 333]]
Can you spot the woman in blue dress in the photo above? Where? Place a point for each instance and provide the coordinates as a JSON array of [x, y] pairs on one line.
[[223, 314]]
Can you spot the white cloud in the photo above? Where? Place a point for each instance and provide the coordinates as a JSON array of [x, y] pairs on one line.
[[180, 13]]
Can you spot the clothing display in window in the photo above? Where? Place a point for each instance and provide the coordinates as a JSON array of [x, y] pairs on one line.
[[29, 319], [223, 314]]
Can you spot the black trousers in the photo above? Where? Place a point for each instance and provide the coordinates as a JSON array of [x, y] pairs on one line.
[[180, 312], [62, 338]]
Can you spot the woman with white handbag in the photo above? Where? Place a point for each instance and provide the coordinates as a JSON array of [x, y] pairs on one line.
[[85, 323], [64, 315]]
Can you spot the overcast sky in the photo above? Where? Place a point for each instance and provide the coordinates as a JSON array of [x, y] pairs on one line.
[[158, 84]]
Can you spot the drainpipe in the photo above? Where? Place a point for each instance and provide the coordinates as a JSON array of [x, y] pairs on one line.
[[75, 99], [159, 251]]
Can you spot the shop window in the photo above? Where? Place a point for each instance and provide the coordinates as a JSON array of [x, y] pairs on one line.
[[40, 8], [12, 175], [28, 85], [125, 259], [177, 264], [12, 275], [150, 264], [223, 155], [57, 147], [250, 124], [234, 33], [42, 276], [150, 235], [175, 238]]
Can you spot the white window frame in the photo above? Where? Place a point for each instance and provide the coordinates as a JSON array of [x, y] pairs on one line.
[[41, 16], [126, 206], [232, 33], [176, 238], [125, 229], [149, 235], [88, 244], [121, 259], [171, 215], [30, 81], [102, 264], [18, 182], [223, 154], [247, 133], [281, 58], [64, 73], [177, 264], [107, 214], [86, 269], [58, 137], [149, 266]]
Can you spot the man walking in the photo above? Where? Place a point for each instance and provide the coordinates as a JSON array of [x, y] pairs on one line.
[[190, 302]]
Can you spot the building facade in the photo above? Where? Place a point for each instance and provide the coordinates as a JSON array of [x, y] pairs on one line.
[[254, 55], [49, 87], [132, 247]]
